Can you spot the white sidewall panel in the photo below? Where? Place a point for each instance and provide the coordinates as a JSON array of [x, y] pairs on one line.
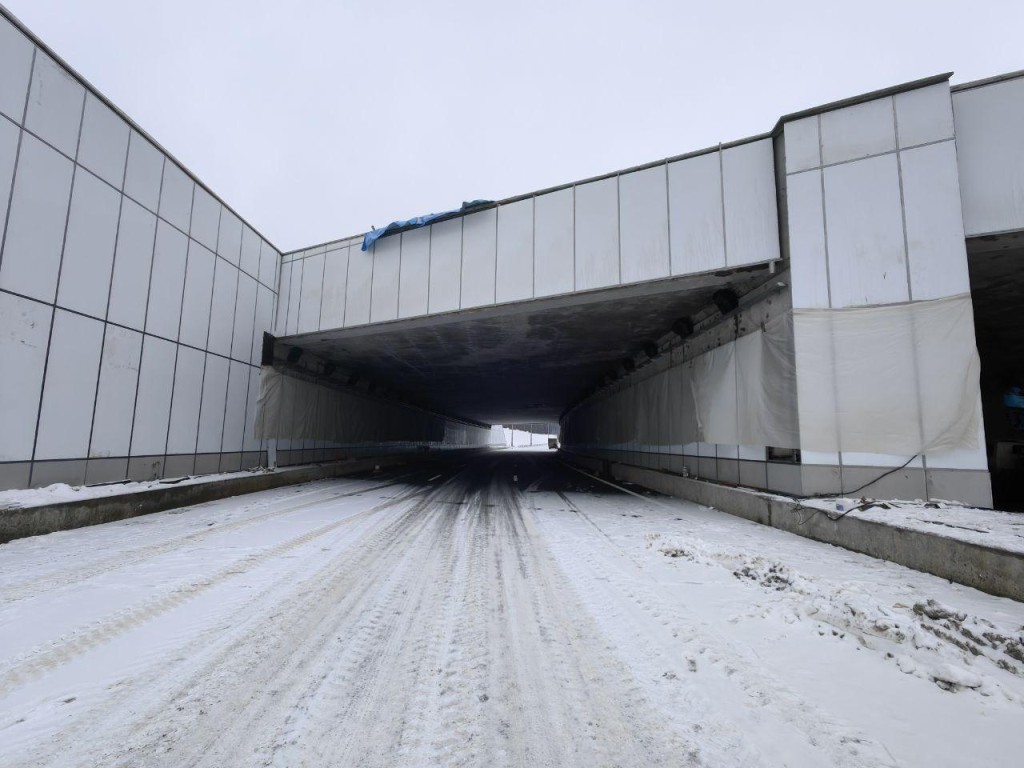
[[554, 243], [119, 376], [24, 331], [445, 265], [89, 246], [479, 249], [332, 307], [751, 210], [514, 281], [643, 201], [188, 387], [129, 291], [597, 234], [696, 218], [809, 272], [312, 293], [935, 230], [167, 281], [867, 263], [414, 275], [69, 392], [387, 254]]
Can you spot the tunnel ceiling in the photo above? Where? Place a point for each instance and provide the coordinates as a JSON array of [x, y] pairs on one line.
[[522, 362]]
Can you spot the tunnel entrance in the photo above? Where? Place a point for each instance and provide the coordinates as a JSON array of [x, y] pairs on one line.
[[996, 266], [525, 362]]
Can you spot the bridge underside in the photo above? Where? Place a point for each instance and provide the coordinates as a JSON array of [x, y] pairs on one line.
[[519, 362]]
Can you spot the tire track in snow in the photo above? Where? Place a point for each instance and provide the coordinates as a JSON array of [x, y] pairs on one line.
[[123, 559], [40, 660], [624, 596]]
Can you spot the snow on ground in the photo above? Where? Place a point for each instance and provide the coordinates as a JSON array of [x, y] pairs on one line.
[[61, 493], [1003, 530], [500, 611]]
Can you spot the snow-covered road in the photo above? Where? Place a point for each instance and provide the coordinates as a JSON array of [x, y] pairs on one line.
[[501, 610]]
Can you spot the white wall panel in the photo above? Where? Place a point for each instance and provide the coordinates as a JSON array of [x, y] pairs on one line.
[[166, 282], [35, 229], [445, 265], [554, 270], [270, 262], [643, 202], [103, 147], [924, 115], [132, 261], [990, 150], [935, 231], [332, 309], [249, 441], [234, 417], [24, 331], [144, 172], [250, 251], [597, 234], [414, 275], [751, 209], [211, 418], [479, 254], [222, 314], [8, 155], [229, 237], [514, 280], [867, 262], [803, 144], [195, 308], [312, 294], [65, 418], [809, 272], [176, 197], [360, 283], [294, 295], [281, 316], [119, 376], [89, 246], [205, 218], [188, 388], [858, 131], [245, 312], [54, 105], [696, 220], [384, 289], [264, 321], [15, 70]]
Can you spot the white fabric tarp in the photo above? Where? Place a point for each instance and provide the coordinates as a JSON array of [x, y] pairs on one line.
[[897, 379], [291, 408], [741, 393]]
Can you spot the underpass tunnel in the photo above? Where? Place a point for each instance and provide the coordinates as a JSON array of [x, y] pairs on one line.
[[478, 375], [997, 283]]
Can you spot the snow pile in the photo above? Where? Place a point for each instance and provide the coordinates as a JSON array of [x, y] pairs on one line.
[[62, 493], [937, 642]]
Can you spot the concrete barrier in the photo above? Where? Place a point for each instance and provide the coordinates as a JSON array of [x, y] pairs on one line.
[[19, 522], [990, 569]]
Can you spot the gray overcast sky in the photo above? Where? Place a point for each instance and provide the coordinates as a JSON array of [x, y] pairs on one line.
[[316, 119]]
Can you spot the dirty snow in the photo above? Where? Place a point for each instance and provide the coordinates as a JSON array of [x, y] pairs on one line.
[[61, 493], [504, 611]]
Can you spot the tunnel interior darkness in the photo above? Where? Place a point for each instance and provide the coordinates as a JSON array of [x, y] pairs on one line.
[[523, 362], [997, 285]]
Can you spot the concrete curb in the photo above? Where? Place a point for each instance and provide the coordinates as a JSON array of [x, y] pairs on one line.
[[20, 522], [996, 571]]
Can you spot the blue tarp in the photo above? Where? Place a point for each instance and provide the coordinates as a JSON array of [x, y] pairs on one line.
[[420, 221]]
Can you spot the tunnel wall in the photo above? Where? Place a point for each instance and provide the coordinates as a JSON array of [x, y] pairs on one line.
[[874, 219], [314, 421], [132, 299], [712, 210], [709, 408]]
